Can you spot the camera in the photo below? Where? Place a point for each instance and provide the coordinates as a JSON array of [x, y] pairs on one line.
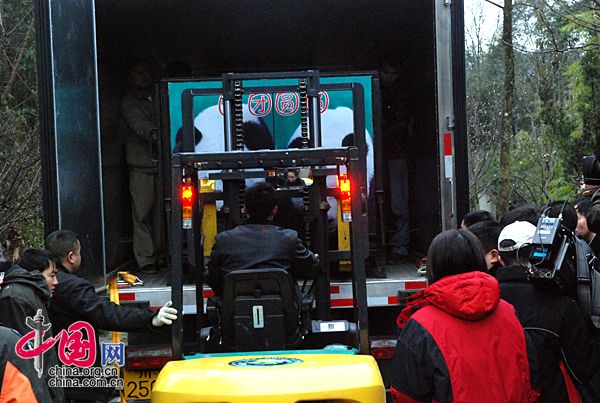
[[552, 261], [564, 263]]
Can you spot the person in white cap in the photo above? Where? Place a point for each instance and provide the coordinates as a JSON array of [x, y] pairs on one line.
[[568, 345]]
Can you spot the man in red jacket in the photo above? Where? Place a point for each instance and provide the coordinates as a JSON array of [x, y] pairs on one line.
[[460, 342]]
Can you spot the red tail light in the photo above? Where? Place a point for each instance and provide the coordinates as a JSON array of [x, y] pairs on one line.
[[383, 349], [346, 200], [144, 360], [187, 195]]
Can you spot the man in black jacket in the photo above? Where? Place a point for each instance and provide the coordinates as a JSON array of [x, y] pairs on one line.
[[566, 341], [76, 300], [258, 244], [25, 292]]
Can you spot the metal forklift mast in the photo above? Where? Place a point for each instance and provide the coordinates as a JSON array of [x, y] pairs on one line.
[[232, 164]]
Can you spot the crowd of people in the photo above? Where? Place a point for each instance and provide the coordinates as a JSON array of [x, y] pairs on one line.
[[484, 331], [42, 286], [480, 331]]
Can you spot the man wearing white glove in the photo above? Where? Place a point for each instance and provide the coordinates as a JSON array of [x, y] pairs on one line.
[[165, 316], [76, 300]]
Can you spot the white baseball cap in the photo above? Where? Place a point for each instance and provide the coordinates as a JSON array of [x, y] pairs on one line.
[[521, 232]]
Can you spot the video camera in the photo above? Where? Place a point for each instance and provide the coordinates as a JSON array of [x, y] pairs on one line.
[[552, 261], [562, 262]]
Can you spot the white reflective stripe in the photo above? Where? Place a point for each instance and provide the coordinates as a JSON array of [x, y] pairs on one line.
[[379, 293], [378, 301], [448, 166]]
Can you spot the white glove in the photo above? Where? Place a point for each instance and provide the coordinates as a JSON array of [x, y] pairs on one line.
[[165, 316]]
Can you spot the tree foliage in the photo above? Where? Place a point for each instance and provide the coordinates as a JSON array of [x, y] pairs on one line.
[[20, 170], [556, 114]]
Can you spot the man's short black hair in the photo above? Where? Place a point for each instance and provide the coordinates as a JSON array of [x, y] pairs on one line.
[[62, 242], [519, 257], [259, 200], [477, 216], [487, 232], [569, 214], [36, 259], [524, 212], [582, 205]]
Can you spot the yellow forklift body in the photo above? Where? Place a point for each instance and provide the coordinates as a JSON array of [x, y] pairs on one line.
[[260, 378]]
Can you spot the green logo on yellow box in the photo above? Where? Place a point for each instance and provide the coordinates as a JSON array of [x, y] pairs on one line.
[[265, 362]]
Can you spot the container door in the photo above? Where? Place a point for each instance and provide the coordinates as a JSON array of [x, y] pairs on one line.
[[443, 41], [69, 126]]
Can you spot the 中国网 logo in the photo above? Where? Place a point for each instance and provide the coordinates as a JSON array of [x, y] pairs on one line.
[[76, 350]]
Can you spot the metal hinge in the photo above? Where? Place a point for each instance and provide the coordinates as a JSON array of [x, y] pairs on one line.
[[450, 122], [447, 3]]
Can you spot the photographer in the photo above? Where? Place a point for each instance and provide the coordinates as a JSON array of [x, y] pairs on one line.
[[589, 188], [568, 345]]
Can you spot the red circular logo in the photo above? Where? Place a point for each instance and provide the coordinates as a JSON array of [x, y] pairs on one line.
[[287, 103], [260, 104]]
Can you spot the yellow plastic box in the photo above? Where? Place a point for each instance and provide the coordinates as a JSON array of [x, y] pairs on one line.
[[278, 377]]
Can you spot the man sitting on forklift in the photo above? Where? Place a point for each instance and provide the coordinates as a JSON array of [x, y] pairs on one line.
[[258, 243]]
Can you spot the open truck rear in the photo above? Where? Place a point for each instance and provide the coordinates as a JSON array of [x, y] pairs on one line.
[[83, 51]]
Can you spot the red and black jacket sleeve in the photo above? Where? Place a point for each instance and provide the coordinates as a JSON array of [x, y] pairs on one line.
[[422, 361]]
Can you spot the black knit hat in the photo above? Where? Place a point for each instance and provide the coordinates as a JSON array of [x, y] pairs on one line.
[[591, 170]]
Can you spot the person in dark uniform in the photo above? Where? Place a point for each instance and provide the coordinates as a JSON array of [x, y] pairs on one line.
[[396, 127], [258, 243], [488, 232], [138, 124], [75, 300]]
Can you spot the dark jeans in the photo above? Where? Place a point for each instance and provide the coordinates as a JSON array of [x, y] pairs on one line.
[[398, 178]]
